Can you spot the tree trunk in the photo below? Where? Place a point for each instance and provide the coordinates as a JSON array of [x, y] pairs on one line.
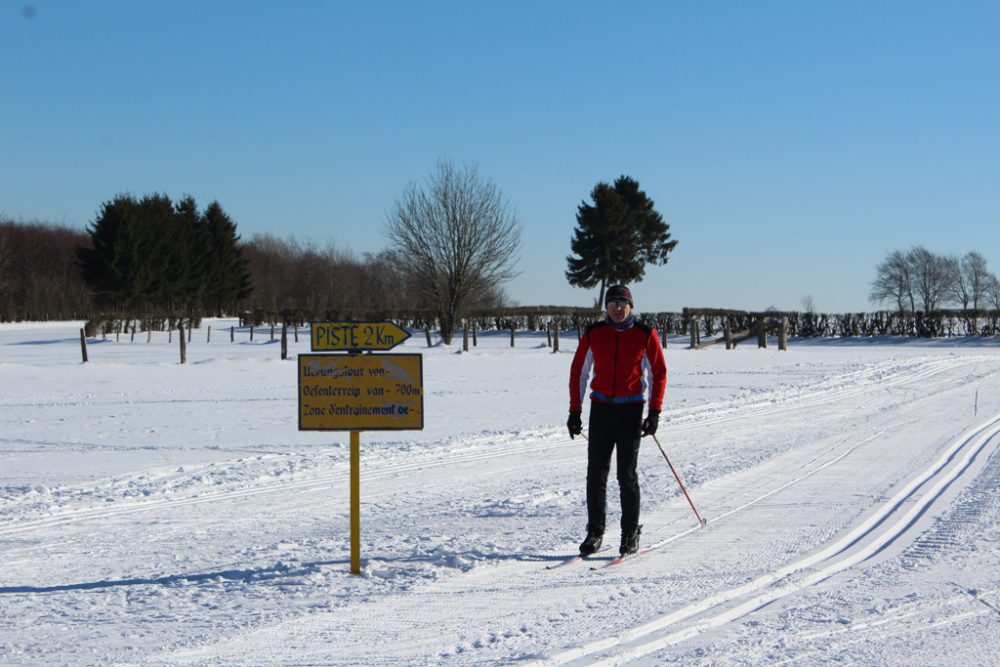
[[447, 327]]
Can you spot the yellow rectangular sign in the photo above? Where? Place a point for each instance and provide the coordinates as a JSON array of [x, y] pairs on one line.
[[355, 336], [361, 392]]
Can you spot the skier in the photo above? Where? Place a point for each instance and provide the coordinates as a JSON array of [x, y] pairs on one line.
[[623, 354]]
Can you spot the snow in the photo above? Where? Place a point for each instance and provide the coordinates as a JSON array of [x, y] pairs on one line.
[[153, 513]]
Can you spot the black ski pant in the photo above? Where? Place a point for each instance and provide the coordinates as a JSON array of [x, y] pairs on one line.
[[613, 428]]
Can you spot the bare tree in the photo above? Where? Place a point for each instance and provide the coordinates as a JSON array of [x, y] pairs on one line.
[[972, 280], [993, 291], [456, 239], [894, 282], [932, 277]]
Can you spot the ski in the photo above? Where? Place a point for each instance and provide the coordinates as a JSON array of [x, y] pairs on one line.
[[576, 559], [621, 559]]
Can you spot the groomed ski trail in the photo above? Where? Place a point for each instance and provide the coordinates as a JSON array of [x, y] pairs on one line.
[[890, 523]]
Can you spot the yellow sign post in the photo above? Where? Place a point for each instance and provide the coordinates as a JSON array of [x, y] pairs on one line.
[[355, 392]]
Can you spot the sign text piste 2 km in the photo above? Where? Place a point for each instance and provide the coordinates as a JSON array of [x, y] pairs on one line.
[[359, 392], [356, 336]]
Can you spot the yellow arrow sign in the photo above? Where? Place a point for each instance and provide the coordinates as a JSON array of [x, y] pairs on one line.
[[356, 336]]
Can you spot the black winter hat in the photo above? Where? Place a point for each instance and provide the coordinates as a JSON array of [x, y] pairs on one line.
[[618, 293]]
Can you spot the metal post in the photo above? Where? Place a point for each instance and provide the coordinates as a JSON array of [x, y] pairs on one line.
[[355, 502]]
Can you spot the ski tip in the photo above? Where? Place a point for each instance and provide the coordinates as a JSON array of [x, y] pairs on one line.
[[704, 522]]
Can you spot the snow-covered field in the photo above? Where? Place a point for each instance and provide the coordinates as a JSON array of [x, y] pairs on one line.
[[159, 514]]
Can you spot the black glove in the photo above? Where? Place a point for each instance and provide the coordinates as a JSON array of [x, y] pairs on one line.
[[574, 424], [650, 423]]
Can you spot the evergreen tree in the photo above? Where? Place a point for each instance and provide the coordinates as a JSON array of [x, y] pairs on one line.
[[187, 249], [616, 237], [160, 273], [113, 265], [152, 255], [227, 274]]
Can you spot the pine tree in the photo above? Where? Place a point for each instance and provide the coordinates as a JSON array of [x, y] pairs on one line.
[[150, 255], [227, 274], [113, 266], [616, 237], [187, 248]]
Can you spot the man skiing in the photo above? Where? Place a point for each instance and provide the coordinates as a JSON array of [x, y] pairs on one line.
[[623, 354]]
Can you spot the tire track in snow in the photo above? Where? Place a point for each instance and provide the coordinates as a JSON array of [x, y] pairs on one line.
[[891, 522]]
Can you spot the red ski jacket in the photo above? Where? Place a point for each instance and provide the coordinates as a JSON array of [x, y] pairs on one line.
[[621, 361]]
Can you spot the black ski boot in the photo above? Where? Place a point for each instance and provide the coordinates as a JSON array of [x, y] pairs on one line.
[[630, 542], [592, 543]]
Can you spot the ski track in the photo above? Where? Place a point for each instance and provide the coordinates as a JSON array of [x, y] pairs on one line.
[[882, 633], [848, 386], [892, 522], [484, 449]]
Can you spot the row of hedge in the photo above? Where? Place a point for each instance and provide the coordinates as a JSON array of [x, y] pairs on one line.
[[710, 322]]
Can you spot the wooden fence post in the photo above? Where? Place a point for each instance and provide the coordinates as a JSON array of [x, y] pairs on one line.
[[555, 338], [694, 334], [180, 329], [512, 333], [208, 338], [83, 345], [761, 334], [783, 335], [284, 341], [475, 342], [465, 336], [427, 332], [728, 333], [232, 333]]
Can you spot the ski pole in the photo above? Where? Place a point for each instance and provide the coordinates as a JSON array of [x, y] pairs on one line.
[[703, 522]]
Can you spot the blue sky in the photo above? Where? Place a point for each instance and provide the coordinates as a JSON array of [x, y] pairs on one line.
[[789, 144]]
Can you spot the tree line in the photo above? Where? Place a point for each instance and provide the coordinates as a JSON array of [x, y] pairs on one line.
[[152, 261], [40, 276], [921, 280], [454, 242], [44, 272]]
